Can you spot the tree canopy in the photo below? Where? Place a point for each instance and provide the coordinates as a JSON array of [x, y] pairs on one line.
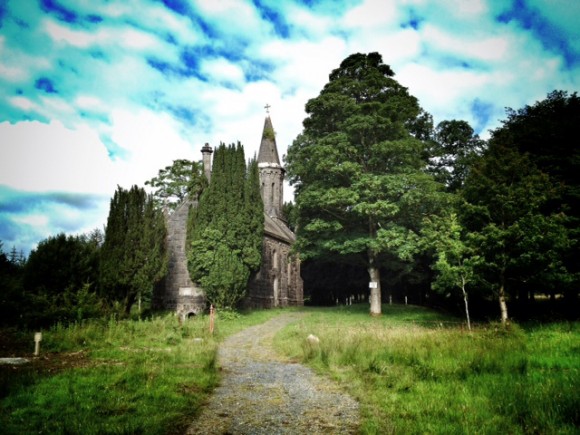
[[359, 169], [133, 256], [174, 183], [225, 230]]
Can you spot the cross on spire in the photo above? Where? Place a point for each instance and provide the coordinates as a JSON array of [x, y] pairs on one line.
[[267, 107]]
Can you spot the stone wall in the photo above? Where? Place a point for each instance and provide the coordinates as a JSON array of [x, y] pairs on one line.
[[178, 292], [278, 282]]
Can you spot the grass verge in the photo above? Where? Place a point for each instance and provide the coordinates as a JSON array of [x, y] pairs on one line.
[[146, 376], [415, 371]]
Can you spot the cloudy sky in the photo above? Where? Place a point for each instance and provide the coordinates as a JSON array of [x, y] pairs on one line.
[[97, 94]]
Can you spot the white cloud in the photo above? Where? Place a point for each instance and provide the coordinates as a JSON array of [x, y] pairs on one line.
[[476, 46], [49, 157], [222, 70]]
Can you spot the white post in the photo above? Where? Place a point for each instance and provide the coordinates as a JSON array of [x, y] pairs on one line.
[[390, 300], [405, 300], [37, 340]]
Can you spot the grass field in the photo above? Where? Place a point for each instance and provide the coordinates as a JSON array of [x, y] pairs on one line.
[[415, 371], [147, 376]]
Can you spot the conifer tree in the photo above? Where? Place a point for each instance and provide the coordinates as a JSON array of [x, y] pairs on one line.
[[133, 256], [225, 230]]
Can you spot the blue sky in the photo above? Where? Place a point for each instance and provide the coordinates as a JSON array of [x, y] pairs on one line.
[[97, 94]]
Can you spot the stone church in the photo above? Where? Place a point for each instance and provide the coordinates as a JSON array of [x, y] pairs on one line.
[[277, 283]]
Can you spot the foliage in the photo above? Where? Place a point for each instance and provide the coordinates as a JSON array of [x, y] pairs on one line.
[[454, 149], [174, 183], [225, 230], [415, 371], [62, 262], [11, 294], [133, 256], [544, 131], [505, 194], [361, 188], [455, 260]]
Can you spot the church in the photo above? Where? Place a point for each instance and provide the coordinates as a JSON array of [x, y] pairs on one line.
[[278, 282]]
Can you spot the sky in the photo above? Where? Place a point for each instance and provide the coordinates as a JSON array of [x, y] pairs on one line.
[[100, 94]]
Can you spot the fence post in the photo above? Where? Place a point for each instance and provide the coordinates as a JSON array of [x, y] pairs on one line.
[[211, 318]]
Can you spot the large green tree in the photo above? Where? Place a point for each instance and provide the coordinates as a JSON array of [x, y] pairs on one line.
[[174, 183], [225, 230], [545, 131], [133, 256], [505, 194], [359, 169]]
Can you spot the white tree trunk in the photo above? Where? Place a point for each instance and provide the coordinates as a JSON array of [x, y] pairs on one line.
[[375, 277], [466, 304], [502, 301]]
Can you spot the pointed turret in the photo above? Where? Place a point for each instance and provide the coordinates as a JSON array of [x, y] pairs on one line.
[[271, 172]]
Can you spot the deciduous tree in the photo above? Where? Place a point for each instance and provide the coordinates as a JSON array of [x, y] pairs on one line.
[[505, 194], [174, 183]]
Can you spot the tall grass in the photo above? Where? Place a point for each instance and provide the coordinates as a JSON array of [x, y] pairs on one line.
[[145, 376], [415, 371]]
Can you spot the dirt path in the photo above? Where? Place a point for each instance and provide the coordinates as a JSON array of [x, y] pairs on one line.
[[262, 394]]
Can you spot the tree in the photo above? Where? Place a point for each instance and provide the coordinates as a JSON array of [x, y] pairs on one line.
[[545, 131], [505, 194], [174, 183], [12, 303], [358, 167], [455, 260], [454, 148], [225, 230], [133, 256], [62, 262]]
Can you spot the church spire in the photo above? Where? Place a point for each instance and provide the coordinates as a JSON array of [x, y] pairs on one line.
[[271, 172], [268, 150]]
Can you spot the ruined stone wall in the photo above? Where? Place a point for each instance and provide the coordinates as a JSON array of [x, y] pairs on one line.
[[178, 292]]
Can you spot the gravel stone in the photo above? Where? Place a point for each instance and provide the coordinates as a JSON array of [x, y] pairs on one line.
[[261, 393]]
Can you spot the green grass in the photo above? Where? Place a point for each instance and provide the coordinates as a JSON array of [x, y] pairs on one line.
[[148, 376], [416, 371]]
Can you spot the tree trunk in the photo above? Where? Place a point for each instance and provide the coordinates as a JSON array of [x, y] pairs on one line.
[[375, 277], [502, 301], [466, 304]]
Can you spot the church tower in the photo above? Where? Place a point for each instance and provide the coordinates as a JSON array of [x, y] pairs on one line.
[[271, 172]]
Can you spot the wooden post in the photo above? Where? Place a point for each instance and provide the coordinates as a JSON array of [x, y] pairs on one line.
[[211, 318], [37, 340]]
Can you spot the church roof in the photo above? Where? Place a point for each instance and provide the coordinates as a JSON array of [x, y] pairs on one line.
[[277, 229], [268, 151]]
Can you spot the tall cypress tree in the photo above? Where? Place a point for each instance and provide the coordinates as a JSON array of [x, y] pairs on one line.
[[133, 257], [225, 230]]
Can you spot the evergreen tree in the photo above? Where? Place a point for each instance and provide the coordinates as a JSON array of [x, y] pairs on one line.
[[225, 229], [359, 170], [133, 257]]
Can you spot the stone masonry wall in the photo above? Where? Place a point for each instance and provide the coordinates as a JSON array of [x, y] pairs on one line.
[[278, 282], [178, 292]]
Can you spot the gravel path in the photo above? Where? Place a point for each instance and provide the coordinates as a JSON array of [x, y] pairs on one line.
[[262, 394]]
